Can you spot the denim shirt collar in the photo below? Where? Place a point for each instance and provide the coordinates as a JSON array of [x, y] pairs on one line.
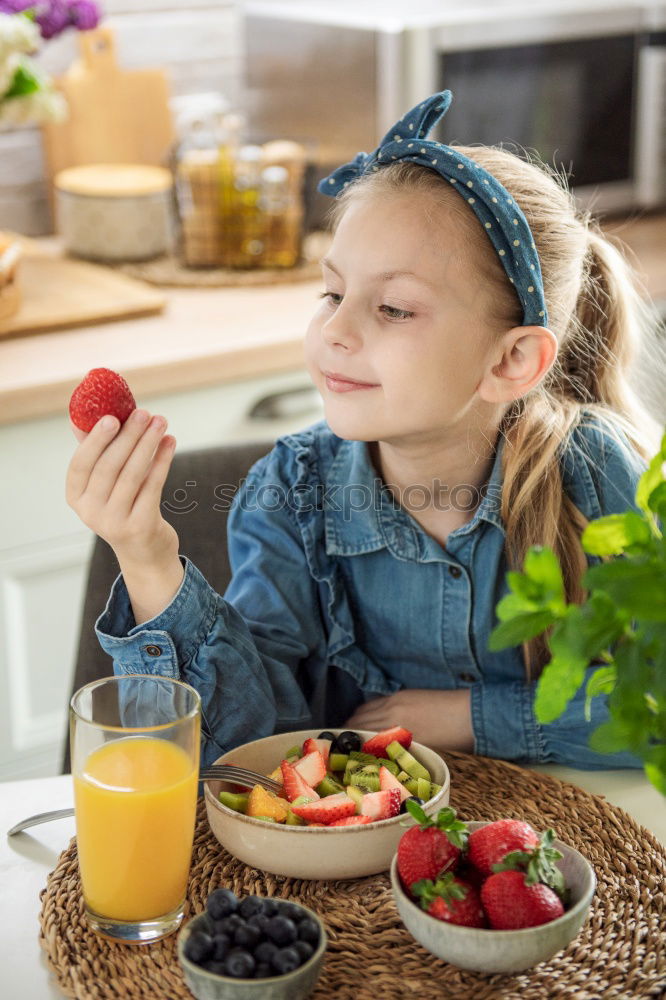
[[361, 515]]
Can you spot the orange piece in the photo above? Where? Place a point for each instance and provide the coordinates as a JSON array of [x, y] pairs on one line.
[[261, 802]]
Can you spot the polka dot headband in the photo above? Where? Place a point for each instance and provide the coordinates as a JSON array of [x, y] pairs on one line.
[[500, 216]]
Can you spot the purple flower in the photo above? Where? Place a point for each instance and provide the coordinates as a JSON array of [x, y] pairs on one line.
[[84, 14], [52, 17], [15, 6]]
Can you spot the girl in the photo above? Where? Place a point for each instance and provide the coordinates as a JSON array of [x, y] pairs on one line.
[[470, 347]]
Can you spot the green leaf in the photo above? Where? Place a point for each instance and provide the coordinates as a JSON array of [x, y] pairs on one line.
[[602, 681], [609, 737], [609, 536], [558, 683], [657, 501], [651, 478], [542, 567], [656, 775], [514, 604], [23, 82], [516, 630], [637, 587]]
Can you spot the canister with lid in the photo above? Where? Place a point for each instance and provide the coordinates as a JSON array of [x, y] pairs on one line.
[[115, 211]]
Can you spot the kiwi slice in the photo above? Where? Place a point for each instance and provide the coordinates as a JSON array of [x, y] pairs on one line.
[[356, 793], [294, 820], [266, 819], [435, 789], [406, 762], [293, 752], [367, 779], [350, 768], [365, 758], [234, 800], [412, 786], [391, 766], [423, 788], [337, 761], [329, 786]]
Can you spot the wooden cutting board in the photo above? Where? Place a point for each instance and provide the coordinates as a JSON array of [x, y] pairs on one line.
[[115, 115], [59, 292]]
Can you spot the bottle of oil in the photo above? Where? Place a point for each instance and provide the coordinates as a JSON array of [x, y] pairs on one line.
[[282, 218]]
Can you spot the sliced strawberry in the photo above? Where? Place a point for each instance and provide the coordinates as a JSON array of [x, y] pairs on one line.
[[352, 821], [381, 805], [311, 768], [323, 746], [326, 810], [388, 780], [293, 784], [378, 743]]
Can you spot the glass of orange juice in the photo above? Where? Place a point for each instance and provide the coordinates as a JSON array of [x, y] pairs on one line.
[[135, 765]]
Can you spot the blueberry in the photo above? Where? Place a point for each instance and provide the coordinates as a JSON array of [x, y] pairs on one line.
[[247, 936], [286, 960], [346, 742], [221, 945], [250, 906], [229, 925], [282, 930], [260, 921], [239, 964], [270, 907], [263, 971], [264, 952], [308, 931], [221, 903], [292, 910], [304, 949], [199, 947], [218, 968], [326, 735], [412, 798]]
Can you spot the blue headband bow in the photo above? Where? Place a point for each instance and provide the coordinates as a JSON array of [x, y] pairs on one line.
[[502, 219]]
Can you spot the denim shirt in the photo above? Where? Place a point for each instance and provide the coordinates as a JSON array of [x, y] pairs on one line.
[[338, 596]]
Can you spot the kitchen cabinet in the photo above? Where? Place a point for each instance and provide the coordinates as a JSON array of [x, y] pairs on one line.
[[44, 548]]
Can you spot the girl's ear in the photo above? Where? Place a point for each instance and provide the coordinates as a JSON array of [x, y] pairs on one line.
[[518, 363]]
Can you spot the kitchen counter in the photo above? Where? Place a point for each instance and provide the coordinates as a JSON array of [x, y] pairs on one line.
[[208, 336]]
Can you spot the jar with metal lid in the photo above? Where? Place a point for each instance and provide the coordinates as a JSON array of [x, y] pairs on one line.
[[115, 211], [282, 218]]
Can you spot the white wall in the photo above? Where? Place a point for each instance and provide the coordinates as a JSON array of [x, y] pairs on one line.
[[199, 44]]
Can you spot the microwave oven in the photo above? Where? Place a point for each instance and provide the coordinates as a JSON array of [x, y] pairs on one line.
[[582, 82]]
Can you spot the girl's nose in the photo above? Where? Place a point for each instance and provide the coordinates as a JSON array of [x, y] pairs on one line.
[[340, 330]]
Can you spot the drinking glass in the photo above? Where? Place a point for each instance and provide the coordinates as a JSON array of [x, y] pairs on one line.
[[135, 764]]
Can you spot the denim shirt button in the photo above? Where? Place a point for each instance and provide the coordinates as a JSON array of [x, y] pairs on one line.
[[154, 650], [466, 678], [455, 572]]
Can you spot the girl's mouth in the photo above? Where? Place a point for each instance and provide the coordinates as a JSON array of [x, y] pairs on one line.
[[342, 383]]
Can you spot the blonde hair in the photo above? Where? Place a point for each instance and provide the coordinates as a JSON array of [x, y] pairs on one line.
[[595, 311]]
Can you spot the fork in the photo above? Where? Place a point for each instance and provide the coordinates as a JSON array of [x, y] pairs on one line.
[[213, 772]]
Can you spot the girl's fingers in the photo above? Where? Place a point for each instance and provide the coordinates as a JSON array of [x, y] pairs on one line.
[[135, 443], [150, 493], [87, 455], [128, 480]]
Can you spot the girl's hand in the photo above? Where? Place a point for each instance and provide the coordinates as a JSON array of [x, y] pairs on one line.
[[114, 483], [441, 720]]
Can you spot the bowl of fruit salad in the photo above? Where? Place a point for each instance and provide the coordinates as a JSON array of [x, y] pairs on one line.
[[493, 897], [341, 809], [254, 948]]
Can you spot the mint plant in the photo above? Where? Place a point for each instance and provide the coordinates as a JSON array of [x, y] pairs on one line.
[[621, 626]]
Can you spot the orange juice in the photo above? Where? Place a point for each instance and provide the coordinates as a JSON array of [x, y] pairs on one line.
[[135, 804]]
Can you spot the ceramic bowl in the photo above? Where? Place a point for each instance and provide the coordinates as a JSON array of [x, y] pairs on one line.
[[483, 950], [310, 852], [294, 985]]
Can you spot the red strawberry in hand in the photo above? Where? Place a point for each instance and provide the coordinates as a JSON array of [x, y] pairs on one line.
[[432, 847], [102, 391], [511, 902], [490, 844], [452, 900]]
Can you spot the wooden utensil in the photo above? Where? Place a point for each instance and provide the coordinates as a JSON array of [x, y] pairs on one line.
[[115, 115]]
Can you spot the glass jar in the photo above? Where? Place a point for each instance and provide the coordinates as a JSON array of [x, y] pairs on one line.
[[282, 216]]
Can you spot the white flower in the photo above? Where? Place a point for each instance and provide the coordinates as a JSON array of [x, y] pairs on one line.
[[8, 68], [17, 34], [42, 106]]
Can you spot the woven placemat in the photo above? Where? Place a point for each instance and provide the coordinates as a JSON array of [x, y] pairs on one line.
[[620, 952], [170, 271]]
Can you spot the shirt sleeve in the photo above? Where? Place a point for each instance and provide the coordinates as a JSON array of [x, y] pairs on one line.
[[606, 471], [242, 653]]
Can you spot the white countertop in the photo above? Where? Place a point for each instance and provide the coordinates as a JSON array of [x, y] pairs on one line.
[[26, 860]]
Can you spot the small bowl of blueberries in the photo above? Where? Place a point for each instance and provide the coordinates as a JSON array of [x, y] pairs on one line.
[[252, 947]]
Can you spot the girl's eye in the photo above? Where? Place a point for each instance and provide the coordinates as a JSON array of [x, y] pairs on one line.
[[333, 298], [393, 313]]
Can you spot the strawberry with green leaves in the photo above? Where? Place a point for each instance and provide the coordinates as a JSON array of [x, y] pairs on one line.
[[490, 844], [432, 847], [512, 902], [452, 900]]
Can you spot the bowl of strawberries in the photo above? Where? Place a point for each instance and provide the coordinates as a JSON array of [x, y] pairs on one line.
[[493, 897], [339, 808]]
